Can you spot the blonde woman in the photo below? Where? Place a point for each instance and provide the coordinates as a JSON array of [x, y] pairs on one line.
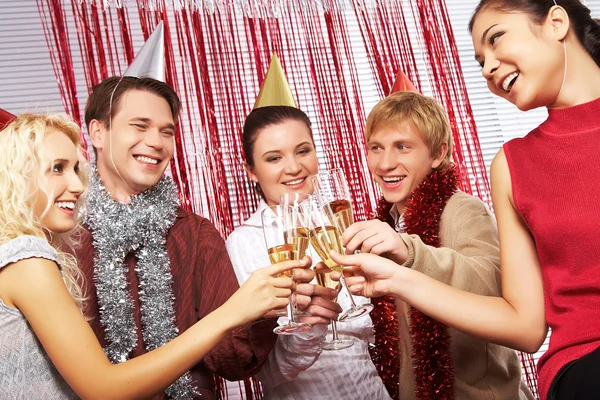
[[47, 349]]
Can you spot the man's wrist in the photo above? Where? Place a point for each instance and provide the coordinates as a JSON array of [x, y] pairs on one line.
[[408, 256], [398, 255]]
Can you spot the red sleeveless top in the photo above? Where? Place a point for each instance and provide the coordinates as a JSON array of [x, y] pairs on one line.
[[555, 173]]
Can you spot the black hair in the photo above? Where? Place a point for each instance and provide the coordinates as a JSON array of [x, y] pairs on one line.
[[586, 28]]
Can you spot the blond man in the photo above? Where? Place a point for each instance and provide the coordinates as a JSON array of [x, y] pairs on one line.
[[427, 224]]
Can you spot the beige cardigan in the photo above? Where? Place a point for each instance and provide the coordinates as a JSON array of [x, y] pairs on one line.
[[468, 258]]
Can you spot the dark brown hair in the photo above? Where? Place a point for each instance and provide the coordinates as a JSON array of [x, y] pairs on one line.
[[98, 104], [584, 26], [262, 117]]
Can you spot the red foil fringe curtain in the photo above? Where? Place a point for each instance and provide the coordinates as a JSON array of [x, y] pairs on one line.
[[389, 48], [388, 43], [449, 88], [221, 61], [350, 119], [217, 60], [59, 48], [337, 100]]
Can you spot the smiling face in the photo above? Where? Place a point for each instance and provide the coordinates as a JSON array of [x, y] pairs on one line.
[[399, 160], [134, 157], [284, 159], [521, 61], [55, 199]]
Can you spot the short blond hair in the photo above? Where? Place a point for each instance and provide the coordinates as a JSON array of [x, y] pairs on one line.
[[423, 112], [21, 168]]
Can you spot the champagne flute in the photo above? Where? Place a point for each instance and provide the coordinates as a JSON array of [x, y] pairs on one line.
[[325, 237], [333, 197], [276, 220], [298, 235]]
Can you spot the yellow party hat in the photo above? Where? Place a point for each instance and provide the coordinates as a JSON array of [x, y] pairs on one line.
[[275, 90]]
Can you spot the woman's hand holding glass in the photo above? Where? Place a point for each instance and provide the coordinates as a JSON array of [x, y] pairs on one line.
[[370, 275], [302, 290], [322, 307], [266, 290]]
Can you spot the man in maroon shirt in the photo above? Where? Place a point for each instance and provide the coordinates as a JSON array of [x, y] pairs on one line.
[[133, 142]]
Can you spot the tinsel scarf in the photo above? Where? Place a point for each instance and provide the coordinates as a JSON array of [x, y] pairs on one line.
[[432, 361], [139, 227]]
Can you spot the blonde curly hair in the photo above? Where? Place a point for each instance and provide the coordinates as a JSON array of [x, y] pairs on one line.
[[21, 169]]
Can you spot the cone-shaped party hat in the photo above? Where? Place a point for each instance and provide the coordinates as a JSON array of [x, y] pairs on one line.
[[150, 61], [402, 84], [275, 90], [5, 118]]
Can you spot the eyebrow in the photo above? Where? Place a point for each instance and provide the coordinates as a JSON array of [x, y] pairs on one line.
[[482, 41], [485, 33], [271, 151], [149, 121], [277, 151], [394, 143], [64, 161]]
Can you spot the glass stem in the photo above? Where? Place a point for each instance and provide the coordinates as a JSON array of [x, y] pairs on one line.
[[290, 311], [334, 331], [345, 287]]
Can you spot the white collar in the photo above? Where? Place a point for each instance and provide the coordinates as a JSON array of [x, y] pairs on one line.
[[255, 218], [399, 225]]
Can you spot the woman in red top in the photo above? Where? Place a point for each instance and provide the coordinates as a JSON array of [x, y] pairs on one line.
[[534, 54]]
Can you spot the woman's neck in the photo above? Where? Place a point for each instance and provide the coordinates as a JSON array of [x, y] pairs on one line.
[[582, 81]]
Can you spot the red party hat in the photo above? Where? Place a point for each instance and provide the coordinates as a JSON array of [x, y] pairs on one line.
[[402, 84]]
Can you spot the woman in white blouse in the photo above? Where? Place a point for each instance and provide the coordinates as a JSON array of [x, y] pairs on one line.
[[280, 157]]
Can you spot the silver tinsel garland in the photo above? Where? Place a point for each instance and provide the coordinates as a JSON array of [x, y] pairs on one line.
[[139, 227]]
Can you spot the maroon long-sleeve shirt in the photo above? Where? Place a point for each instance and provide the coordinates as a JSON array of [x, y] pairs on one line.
[[203, 279]]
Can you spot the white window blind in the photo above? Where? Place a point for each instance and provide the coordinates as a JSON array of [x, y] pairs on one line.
[[27, 80]]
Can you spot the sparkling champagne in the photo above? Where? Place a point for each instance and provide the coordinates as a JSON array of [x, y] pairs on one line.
[[341, 211], [324, 240], [299, 238], [283, 252], [323, 279]]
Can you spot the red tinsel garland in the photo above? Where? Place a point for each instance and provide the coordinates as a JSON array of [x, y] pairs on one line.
[[385, 353], [432, 361]]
